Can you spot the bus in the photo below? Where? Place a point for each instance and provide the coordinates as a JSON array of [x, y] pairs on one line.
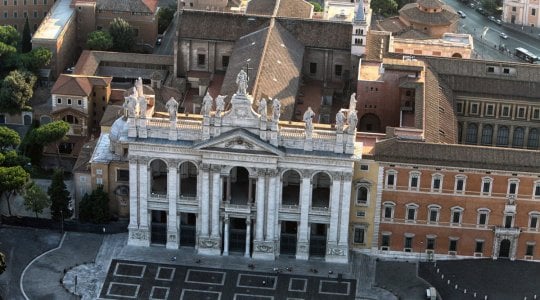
[[526, 55]]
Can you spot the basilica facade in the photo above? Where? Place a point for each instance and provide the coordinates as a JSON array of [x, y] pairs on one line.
[[236, 180]]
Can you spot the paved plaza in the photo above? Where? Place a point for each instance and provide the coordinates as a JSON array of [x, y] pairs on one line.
[[139, 280]]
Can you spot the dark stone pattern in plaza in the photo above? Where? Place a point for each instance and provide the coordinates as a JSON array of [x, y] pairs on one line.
[[140, 280]]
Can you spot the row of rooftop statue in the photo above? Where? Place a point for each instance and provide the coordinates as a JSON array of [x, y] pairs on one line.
[[135, 105]]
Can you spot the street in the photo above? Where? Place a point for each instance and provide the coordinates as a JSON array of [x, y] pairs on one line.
[[487, 46]]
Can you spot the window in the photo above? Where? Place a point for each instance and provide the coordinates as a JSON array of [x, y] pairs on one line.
[[502, 136], [385, 241], [338, 69], [99, 181], [201, 59], [491, 69], [459, 186], [533, 220], [532, 141], [453, 244], [530, 249], [490, 110], [430, 243], [436, 183], [414, 181], [536, 113], [513, 185], [433, 211], [472, 132], [456, 215], [15, 14], [518, 138], [71, 119], [483, 217], [360, 214], [388, 211], [122, 175], [459, 107], [25, 14], [79, 102], [2, 119], [364, 167], [225, 61], [99, 172], [391, 179], [5, 2], [533, 12], [59, 100], [474, 109], [513, 8], [487, 135], [69, 101], [312, 68], [358, 235], [412, 209], [5, 15], [408, 243], [479, 247], [486, 186], [537, 189], [505, 111], [362, 194], [35, 2], [521, 112]]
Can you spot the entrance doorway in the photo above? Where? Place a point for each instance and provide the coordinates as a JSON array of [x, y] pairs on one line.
[[289, 232], [317, 240], [237, 235], [504, 249], [159, 227], [188, 228], [239, 192]]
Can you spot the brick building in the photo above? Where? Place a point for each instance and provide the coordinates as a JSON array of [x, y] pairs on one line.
[[15, 12]]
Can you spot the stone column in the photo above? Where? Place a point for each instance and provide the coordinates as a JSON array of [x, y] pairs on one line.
[[250, 191], [141, 237], [302, 249], [207, 245], [133, 227], [226, 237], [248, 237], [229, 188], [267, 249], [259, 223], [216, 199], [272, 213], [172, 195], [340, 252], [334, 209]]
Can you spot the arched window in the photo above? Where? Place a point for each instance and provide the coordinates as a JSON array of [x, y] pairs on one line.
[[519, 136], [472, 133], [487, 135], [362, 194], [502, 136], [70, 119], [532, 142]]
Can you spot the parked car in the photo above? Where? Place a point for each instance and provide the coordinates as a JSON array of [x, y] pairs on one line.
[[471, 5], [491, 18], [498, 21], [503, 35], [159, 40], [461, 14]]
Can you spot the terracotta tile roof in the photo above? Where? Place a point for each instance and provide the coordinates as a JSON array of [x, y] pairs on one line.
[[261, 7], [112, 112], [465, 156], [413, 34], [413, 13], [82, 164], [90, 61], [376, 40], [287, 8], [430, 3], [68, 84], [139, 6], [319, 33]]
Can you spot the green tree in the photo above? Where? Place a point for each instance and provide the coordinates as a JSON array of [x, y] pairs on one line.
[[59, 196], [165, 17], [384, 7], [12, 159], [123, 35], [316, 6], [51, 133], [9, 138], [36, 59], [35, 199], [26, 42], [12, 181], [16, 89], [9, 40], [95, 207], [2, 263], [99, 40]]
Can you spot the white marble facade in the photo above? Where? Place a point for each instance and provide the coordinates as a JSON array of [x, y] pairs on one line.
[[239, 165]]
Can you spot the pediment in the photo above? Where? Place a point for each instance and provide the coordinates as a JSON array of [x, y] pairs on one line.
[[241, 141]]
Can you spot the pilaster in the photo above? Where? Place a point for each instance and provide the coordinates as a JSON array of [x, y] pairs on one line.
[[172, 195], [302, 248], [216, 196]]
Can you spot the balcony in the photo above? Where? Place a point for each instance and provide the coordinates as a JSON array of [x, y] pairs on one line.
[[289, 208], [323, 211], [157, 197], [238, 208]]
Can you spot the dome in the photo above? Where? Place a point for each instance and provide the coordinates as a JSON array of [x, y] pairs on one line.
[[430, 4], [119, 129]]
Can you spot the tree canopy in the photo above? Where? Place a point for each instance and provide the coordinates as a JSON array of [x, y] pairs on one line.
[[123, 35], [95, 207], [59, 196], [99, 40], [35, 199], [9, 40], [50, 133], [9, 138], [165, 17], [16, 89], [36, 59], [12, 181], [316, 6], [384, 7], [26, 42]]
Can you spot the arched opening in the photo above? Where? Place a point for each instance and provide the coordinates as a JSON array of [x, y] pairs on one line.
[[291, 188], [504, 249], [472, 134], [188, 180], [362, 195], [502, 136], [71, 119], [241, 189], [518, 138], [457, 55], [27, 120], [158, 177], [45, 120], [487, 135], [370, 123], [320, 196], [532, 141]]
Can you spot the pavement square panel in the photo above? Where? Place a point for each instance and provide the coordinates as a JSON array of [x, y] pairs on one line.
[[140, 280]]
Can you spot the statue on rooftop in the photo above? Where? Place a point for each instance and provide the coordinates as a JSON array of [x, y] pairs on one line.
[[207, 103], [352, 119], [139, 87], [276, 110], [352, 102], [261, 110], [130, 105], [220, 105], [142, 107], [242, 82], [172, 108], [340, 120], [308, 119]]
